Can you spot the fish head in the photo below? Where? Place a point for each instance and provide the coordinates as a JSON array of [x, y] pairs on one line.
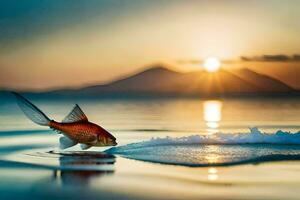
[[106, 139]]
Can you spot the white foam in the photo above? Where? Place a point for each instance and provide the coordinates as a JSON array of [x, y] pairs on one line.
[[194, 150], [255, 136]]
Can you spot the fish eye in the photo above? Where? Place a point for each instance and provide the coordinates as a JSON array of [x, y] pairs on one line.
[[112, 137]]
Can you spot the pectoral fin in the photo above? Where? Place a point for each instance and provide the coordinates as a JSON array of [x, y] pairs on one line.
[[65, 142], [85, 146], [57, 131]]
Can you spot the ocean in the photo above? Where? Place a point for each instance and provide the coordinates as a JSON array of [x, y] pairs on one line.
[[168, 148]]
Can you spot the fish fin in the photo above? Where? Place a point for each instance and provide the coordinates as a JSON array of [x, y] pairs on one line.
[[85, 146], [75, 115], [65, 142], [31, 111], [57, 131]]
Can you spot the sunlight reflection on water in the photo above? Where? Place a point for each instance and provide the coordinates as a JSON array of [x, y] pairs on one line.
[[212, 174], [212, 111]]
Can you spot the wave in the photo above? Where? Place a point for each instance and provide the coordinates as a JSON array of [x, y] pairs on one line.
[[220, 149], [255, 136]]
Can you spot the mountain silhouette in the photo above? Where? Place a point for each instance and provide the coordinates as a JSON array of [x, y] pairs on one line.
[[163, 81]]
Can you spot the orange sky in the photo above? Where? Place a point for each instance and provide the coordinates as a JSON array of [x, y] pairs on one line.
[[57, 44]]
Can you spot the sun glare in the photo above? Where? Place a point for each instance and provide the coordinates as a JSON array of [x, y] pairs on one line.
[[211, 64]]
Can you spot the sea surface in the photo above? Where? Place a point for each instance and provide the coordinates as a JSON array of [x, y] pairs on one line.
[[168, 148]]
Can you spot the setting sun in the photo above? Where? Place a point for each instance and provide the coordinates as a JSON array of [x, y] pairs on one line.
[[212, 64]]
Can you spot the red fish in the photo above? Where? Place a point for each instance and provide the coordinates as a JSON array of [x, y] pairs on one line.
[[75, 128]]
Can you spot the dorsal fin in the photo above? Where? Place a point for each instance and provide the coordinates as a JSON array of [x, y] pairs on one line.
[[75, 115]]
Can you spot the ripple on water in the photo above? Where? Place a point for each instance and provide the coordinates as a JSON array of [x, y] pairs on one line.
[[62, 160]]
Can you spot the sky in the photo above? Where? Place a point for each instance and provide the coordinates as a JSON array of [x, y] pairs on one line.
[[70, 43]]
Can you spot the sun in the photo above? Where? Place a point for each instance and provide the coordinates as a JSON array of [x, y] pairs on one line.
[[211, 64]]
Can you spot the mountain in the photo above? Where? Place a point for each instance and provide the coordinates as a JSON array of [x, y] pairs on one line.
[[162, 81]]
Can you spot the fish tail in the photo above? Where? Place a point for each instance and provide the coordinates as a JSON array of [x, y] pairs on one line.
[[31, 111]]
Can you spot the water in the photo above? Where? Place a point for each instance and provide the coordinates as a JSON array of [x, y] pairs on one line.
[[182, 143]]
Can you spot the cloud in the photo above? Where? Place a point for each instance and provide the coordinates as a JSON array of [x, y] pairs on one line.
[[272, 58]]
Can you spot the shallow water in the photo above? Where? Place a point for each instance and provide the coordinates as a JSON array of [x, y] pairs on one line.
[[168, 148]]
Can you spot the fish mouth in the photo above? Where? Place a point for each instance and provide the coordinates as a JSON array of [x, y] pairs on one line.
[[114, 143], [111, 140]]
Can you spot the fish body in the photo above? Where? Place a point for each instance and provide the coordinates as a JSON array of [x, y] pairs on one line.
[[75, 127], [84, 132]]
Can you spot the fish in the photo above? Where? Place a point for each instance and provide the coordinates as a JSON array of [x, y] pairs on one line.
[[75, 128]]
